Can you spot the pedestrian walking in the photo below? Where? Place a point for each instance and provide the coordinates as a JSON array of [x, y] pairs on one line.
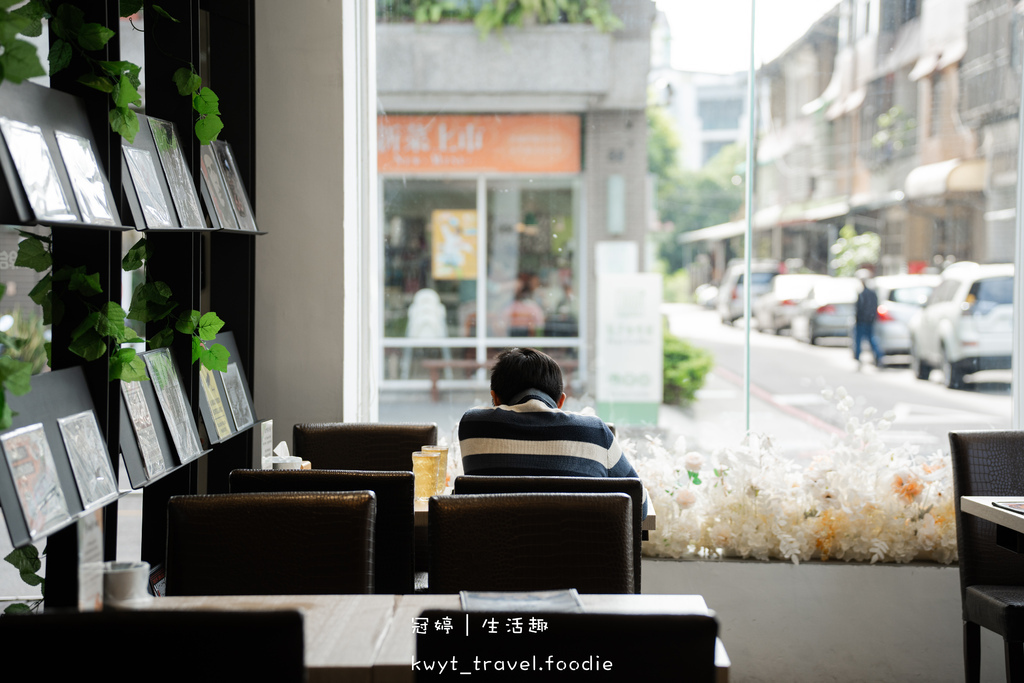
[[864, 321]]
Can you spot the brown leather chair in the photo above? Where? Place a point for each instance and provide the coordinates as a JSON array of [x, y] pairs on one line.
[[531, 541], [270, 543], [361, 445], [632, 487], [61, 646], [393, 531], [988, 463]]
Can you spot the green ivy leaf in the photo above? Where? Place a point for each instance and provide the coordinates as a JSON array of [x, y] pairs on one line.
[[89, 345], [87, 324], [87, 285], [6, 414], [209, 326], [122, 68], [129, 7], [215, 358], [17, 607], [163, 13], [197, 348], [187, 80], [94, 36], [125, 93], [11, 25], [33, 12], [187, 322], [25, 558], [21, 61], [96, 82], [124, 122], [59, 56], [32, 254], [136, 256], [111, 321], [206, 102], [15, 375], [208, 128], [162, 338], [127, 366], [67, 20], [31, 235]]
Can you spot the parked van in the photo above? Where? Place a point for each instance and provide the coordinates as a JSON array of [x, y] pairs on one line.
[[731, 291]]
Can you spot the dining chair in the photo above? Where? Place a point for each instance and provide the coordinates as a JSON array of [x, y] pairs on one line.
[[361, 445], [988, 463], [531, 541], [559, 645], [270, 543], [634, 488], [157, 646], [393, 541]]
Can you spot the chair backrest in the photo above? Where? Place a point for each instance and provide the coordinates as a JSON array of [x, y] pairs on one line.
[[986, 463], [270, 543], [361, 445], [531, 541], [394, 535], [634, 488], [219, 645], [611, 647]]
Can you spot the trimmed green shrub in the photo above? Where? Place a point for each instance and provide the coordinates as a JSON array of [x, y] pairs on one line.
[[685, 368]]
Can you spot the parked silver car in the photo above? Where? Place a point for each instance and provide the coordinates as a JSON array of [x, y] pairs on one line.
[[967, 324], [774, 309], [900, 298], [828, 310]]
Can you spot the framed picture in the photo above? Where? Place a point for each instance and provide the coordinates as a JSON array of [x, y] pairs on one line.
[[37, 171], [87, 451], [217, 191], [211, 393], [179, 178], [171, 396], [237, 399], [147, 187], [236, 191], [34, 471], [92, 192], [142, 425]]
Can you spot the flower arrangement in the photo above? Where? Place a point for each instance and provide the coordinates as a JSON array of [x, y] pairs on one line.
[[859, 501]]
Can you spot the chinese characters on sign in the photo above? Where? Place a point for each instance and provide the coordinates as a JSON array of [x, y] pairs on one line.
[[515, 625], [548, 143]]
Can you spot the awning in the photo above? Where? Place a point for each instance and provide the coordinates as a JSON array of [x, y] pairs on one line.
[[952, 175], [721, 231], [953, 53], [813, 211], [846, 105]]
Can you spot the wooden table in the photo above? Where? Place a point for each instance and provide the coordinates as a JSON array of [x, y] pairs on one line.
[[369, 638], [1009, 525]]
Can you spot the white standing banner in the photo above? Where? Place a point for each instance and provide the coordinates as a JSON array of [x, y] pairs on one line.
[[629, 342]]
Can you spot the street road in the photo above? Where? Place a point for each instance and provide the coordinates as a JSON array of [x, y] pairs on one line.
[[791, 375]]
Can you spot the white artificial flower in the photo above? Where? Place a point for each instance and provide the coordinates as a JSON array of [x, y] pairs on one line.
[[693, 461]]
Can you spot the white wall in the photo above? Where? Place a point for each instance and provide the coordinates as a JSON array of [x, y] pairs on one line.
[[299, 165], [832, 621]]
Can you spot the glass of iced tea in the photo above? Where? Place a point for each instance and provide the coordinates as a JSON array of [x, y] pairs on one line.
[[442, 466], [425, 467]]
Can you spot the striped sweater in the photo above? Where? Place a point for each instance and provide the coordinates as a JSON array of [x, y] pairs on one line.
[[535, 437]]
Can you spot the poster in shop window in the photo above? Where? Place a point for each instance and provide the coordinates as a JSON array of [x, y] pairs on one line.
[[454, 238]]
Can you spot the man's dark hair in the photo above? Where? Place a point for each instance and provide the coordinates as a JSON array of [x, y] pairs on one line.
[[517, 370]]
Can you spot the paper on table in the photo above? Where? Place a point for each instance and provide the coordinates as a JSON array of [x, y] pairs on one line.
[[561, 600]]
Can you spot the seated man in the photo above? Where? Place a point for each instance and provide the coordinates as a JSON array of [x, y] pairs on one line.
[[526, 431]]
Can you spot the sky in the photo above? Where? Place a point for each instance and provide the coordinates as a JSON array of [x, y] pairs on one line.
[[714, 35]]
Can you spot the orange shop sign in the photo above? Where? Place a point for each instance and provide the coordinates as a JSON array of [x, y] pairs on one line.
[[519, 143]]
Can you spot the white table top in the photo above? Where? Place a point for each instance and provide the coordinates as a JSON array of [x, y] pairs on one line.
[[368, 637], [981, 506]]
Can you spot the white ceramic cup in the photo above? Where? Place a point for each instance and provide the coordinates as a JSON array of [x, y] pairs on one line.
[[125, 584]]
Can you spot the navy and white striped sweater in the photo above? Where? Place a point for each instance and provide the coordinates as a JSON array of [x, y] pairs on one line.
[[535, 435]]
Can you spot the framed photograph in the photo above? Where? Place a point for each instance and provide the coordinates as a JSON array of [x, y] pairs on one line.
[[179, 178], [211, 392], [142, 425], [34, 471], [37, 171], [216, 189], [147, 187], [237, 400], [171, 396], [92, 192], [87, 451], [236, 191]]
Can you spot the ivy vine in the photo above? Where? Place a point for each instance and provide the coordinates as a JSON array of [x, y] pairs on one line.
[[79, 42], [26, 560]]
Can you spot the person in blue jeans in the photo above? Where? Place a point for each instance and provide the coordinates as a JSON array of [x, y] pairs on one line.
[[864, 320]]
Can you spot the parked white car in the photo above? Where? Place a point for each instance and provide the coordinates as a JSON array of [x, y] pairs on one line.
[[967, 324], [774, 310], [731, 292]]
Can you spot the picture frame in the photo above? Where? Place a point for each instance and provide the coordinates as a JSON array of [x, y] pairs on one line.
[[90, 463], [37, 171], [236, 190], [143, 172], [88, 182], [173, 404], [30, 461], [144, 429], [215, 191], [179, 177]]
